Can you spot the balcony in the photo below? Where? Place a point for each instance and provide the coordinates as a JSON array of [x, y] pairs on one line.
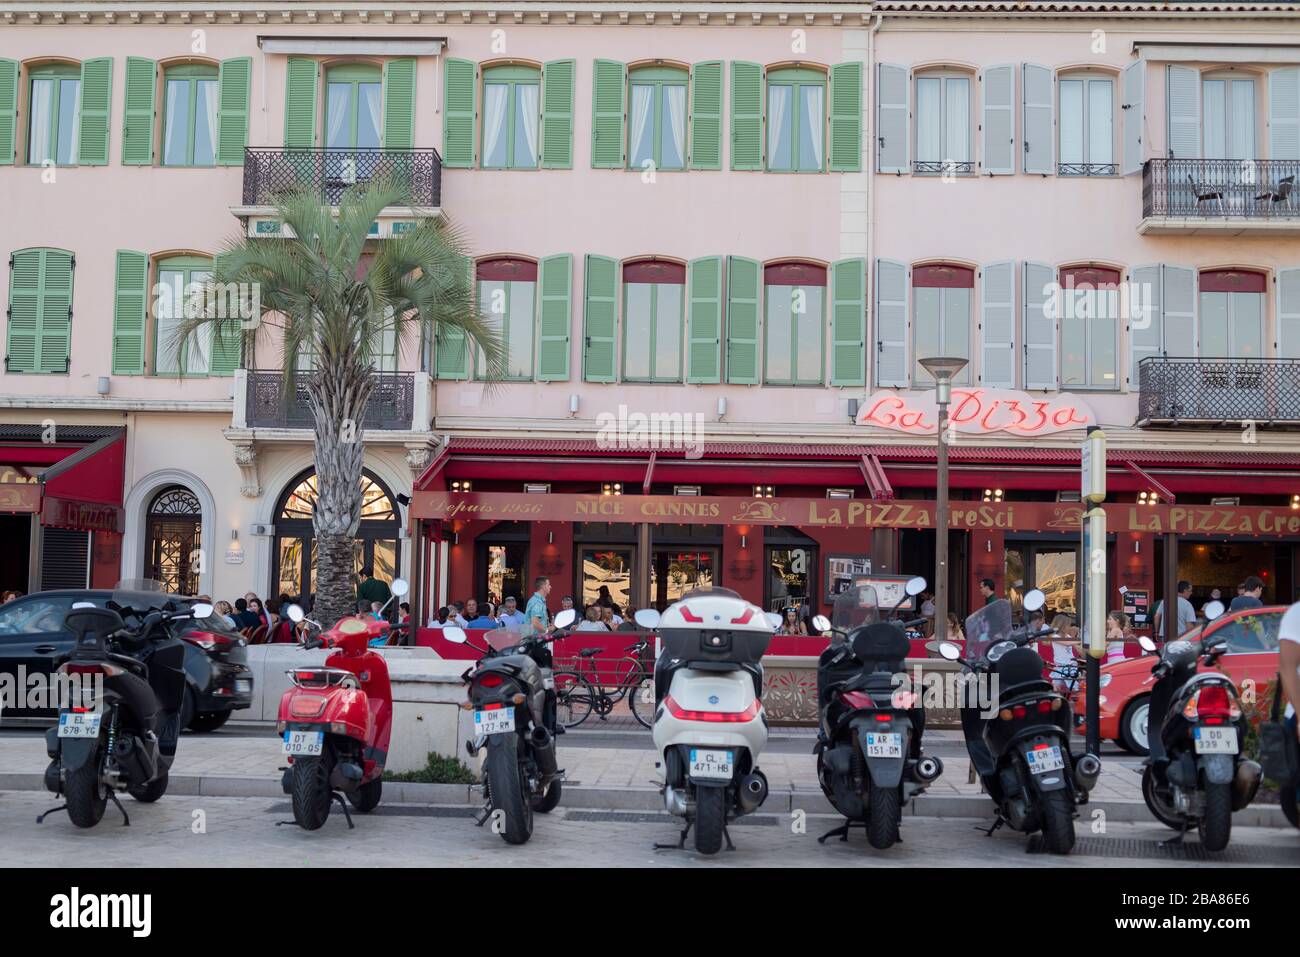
[[269, 404], [1220, 197], [329, 172], [1219, 392]]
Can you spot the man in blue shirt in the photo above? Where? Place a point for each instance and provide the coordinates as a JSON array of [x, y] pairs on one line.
[[511, 616], [538, 619]]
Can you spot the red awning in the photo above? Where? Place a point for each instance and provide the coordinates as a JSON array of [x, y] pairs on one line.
[[84, 490]]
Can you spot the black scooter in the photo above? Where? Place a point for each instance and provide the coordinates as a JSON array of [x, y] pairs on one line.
[[1196, 775], [1020, 746]]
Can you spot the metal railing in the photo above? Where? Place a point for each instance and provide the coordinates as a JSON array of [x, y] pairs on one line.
[[270, 404], [269, 173], [1221, 189], [1218, 391]]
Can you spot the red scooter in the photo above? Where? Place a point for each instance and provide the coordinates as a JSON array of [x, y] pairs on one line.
[[336, 720]]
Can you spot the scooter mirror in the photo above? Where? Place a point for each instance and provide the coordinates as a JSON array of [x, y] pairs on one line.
[[295, 613], [821, 623], [565, 618], [1213, 610], [1034, 600], [774, 620], [201, 610], [399, 587], [916, 585], [647, 618], [1148, 645], [950, 651], [455, 634]]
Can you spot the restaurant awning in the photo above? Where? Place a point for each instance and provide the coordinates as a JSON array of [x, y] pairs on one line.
[[83, 490]]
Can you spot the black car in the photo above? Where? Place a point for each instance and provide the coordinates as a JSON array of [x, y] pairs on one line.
[[32, 637]]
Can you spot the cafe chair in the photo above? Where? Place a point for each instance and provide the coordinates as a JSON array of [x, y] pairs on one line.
[[1204, 192], [1281, 193]]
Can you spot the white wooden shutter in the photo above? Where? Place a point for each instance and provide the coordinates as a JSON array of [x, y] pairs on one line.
[[1134, 116], [1183, 105], [1144, 330], [1284, 113], [1288, 314], [998, 92], [998, 325], [891, 324], [893, 89], [1038, 327], [1039, 109], [1178, 311]]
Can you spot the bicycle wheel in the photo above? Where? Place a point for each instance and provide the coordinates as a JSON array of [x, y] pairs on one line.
[[640, 690], [574, 697]]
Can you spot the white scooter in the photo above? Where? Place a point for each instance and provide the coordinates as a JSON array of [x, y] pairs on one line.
[[709, 727]]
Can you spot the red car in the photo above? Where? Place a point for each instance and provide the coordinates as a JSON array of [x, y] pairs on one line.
[[1251, 662]]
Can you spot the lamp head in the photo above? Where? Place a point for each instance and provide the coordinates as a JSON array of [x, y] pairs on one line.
[[943, 369]]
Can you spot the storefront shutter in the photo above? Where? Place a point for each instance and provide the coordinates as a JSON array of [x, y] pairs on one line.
[[998, 325], [1288, 314], [846, 117], [1144, 329], [609, 90], [998, 90], [138, 115], [746, 116], [744, 309], [706, 116], [555, 278], [1038, 328], [558, 80], [8, 111], [1183, 104], [65, 558], [235, 86], [129, 303], [1178, 299], [1134, 115], [459, 82], [892, 100], [599, 318], [1038, 105], [849, 322], [1284, 113], [301, 81], [96, 103], [704, 322], [891, 324], [399, 104]]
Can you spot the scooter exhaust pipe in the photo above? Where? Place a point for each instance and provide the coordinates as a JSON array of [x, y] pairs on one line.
[[928, 769], [752, 792], [544, 750], [1245, 783], [1086, 771], [675, 801]]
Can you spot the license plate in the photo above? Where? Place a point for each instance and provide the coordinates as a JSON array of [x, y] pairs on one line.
[[243, 685], [1216, 740], [304, 743], [74, 724], [494, 721], [884, 745], [1044, 758], [713, 765]]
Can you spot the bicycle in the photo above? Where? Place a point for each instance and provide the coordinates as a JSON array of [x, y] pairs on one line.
[[579, 692]]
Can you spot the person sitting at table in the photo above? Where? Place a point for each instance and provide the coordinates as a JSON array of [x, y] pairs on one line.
[[484, 619], [593, 620], [791, 623]]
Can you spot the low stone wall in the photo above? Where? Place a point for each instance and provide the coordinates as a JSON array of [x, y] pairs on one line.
[[790, 690]]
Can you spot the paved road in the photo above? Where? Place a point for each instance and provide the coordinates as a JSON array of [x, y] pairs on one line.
[[241, 832]]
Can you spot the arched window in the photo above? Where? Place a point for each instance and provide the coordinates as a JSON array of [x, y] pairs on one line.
[[1089, 320], [654, 297], [794, 330], [507, 297], [796, 120], [173, 540], [53, 114], [1086, 124], [1232, 313], [943, 126], [942, 310], [656, 129], [181, 282], [190, 115], [511, 109]]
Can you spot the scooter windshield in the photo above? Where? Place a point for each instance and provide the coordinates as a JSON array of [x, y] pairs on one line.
[[986, 627], [854, 607]]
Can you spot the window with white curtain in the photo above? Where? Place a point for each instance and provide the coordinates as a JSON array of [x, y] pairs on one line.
[[511, 111], [54, 110], [190, 116], [796, 121], [1087, 126], [656, 119], [1231, 314], [794, 318], [1228, 117], [353, 101], [943, 127], [1089, 321], [507, 298], [180, 293]]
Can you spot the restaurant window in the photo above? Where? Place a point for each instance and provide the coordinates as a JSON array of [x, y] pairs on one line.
[[606, 574], [942, 308], [190, 116], [502, 564], [1086, 125], [1089, 320], [791, 570], [676, 571], [1232, 314], [796, 120], [656, 134], [794, 327], [654, 295], [511, 109], [943, 127], [507, 295]]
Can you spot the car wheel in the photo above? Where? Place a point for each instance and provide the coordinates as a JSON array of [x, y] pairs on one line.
[[1133, 725], [206, 721]]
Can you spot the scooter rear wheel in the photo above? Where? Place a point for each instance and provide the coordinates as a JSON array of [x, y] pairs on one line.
[[1058, 821], [1215, 826], [1156, 804], [366, 798], [311, 791], [885, 817], [710, 818], [506, 786], [86, 794]]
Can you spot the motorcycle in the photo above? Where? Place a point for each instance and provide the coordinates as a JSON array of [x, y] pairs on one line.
[[1196, 775], [512, 695], [709, 726], [869, 757], [1020, 745], [336, 720], [119, 734]]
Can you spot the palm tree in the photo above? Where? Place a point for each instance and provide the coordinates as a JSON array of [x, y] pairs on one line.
[[337, 301]]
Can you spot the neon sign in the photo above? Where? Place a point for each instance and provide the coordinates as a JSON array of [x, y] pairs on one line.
[[977, 411]]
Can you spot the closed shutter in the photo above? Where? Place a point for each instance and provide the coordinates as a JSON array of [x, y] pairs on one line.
[[558, 80], [235, 87], [459, 83], [704, 321], [1134, 120], [1284, 113], [301, 81], [599, 318], [8, 111], [138, 115], [1183, 105], [891, 324], [1039, 328], [1038, 100], [24, 310], [746, 115], [555, 277], [998, 89], [1288, 314], [1144, 329], [65, 558], [96, 103], [129, 303], [706, 116], [744, 296], [892, 100], [609, 91], [998, 325], [227, 334], [846, 117], [849, 322], [1178, 313], [399, 104]]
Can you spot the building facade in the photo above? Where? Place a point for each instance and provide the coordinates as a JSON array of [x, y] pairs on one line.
[[718, 240]]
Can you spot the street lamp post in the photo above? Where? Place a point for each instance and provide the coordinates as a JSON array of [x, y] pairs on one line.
[[943, 369]]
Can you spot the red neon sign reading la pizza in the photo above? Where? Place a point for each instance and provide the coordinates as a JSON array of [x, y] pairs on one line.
[[977, 410]]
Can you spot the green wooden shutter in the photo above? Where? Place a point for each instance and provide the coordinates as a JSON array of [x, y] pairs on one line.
[[458, 113], [453, 356], [235, 87], [746, 115], [744, 293], [8, 111], [557, 117], [608, 97], [849, 322], [40, 310], [137, 117], [302, 78], [399, 104], [96, 102], [556, 283], [129, 301], [704, 322], [846, 117], [227, 335], [24, 310], [599, 318], [706, 116]]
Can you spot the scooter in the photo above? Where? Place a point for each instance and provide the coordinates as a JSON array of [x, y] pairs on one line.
[[1020, 745], [869, 757], [512, 695], [336, 720], [709, 726], [1196, 775], [119, 734]]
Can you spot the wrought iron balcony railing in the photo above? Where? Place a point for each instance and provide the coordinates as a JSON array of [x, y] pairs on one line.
[[1221, 189], [271, 172], [271, 404], [1219, 391]]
